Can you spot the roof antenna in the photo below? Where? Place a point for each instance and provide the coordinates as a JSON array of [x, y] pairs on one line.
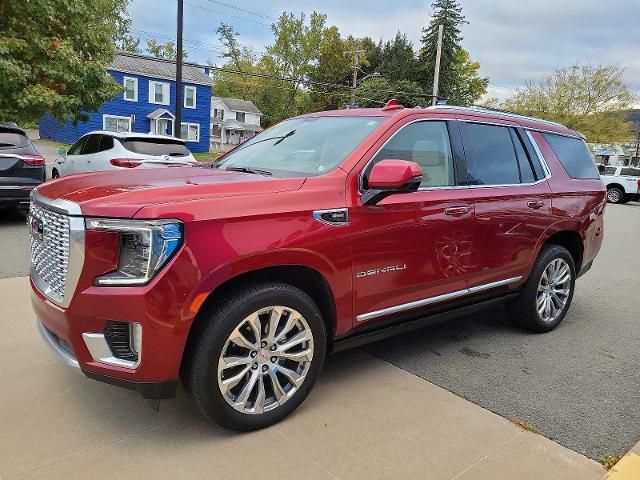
[[392, 104]]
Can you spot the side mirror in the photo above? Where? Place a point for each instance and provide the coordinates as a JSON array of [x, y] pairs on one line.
[[391, 176], [62, 152]]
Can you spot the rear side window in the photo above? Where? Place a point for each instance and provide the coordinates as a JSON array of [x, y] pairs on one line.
[[106, 143], [574, 156], [609, 170], [12, 139], [490, 153], [156, 146], [631, 172]]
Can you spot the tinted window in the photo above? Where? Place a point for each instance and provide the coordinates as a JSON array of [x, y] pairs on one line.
[[632, 172], [491, 158], [92, 145], [427, 144], [609, 170], [532, 154], [156, 146], [526, 170], [12, 140], [77, 147], [574, 155], [106, 143]]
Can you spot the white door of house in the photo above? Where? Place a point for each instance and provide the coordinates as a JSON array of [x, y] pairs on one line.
[[163, 126]]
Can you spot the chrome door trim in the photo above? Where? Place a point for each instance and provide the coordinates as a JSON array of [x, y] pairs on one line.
[[431, 300]]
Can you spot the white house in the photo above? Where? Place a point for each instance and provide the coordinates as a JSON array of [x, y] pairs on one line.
[[232, 122]]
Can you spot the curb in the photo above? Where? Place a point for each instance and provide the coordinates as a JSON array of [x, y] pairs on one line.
[[628, 468]]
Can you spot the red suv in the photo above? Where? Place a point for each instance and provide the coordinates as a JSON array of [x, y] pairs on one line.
[[325, 231]]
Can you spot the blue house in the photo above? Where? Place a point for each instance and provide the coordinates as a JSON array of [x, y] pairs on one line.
[[147, 104]]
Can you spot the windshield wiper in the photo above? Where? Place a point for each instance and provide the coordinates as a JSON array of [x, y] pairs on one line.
[[255, 171]]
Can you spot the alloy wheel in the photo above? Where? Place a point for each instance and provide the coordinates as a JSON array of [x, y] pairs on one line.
[[554, 288], [613, 195], [265, 360]]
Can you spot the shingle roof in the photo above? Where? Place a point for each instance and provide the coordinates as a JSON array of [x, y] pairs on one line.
[[237, 105], [135, 63]]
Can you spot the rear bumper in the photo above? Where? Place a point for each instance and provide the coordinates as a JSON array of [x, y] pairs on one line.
[[11, 195]]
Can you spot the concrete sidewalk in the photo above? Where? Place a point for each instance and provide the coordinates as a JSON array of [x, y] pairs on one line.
[[365, 419]]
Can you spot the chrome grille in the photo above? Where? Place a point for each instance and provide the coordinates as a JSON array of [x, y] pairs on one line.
[[49, 250]]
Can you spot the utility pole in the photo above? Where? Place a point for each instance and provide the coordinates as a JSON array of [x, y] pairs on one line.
[[637, 155], [178, 120], [436, 73], [356, 66]]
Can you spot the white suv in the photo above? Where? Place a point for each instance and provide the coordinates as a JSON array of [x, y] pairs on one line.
[[623, 183], [102, 150]]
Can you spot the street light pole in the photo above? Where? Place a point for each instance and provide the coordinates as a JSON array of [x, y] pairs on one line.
[[178, 120]]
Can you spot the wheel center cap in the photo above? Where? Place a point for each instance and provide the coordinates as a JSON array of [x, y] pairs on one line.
[[263, 356]]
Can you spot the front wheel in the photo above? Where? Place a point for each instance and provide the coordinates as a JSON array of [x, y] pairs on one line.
[[615, 195], [545, 299], [257, 357]]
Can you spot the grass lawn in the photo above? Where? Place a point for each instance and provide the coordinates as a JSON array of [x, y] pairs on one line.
[[206, 156]]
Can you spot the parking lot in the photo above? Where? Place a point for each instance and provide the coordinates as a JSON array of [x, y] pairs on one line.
[[577, 385]]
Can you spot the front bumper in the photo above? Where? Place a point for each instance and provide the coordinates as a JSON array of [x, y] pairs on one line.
[[150, 390]]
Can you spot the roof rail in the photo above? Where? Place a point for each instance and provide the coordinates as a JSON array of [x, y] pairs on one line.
[[505, 113]]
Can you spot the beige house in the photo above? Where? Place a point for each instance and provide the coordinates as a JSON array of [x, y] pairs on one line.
[[232, 122]]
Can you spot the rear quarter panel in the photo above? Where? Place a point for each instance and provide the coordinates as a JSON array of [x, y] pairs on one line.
[[576, 204]]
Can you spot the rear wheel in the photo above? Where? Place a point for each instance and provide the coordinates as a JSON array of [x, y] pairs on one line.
[[258, 356], [546, 297], [615, 195]]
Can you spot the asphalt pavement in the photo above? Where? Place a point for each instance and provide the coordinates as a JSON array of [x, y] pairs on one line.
[[578, 385]]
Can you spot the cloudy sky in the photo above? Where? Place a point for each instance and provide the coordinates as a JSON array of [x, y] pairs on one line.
[[514, 40]]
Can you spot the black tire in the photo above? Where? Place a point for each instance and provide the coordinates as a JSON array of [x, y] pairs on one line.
[[615, 195], [523, 310], [200, 373], [54, 174]]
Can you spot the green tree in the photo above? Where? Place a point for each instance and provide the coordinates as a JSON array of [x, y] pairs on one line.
[[459, 81], [587, 98], [375, 92], [54, 55], [164, 50], [397, 60]]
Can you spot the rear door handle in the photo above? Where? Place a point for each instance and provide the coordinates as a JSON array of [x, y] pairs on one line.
[[457, 211], [535, 204]]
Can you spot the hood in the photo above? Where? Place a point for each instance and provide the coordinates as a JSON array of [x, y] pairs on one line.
[[123, 193]]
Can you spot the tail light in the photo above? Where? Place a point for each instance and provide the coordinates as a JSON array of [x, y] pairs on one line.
[[639, 185], [32, 160], [124, 163]]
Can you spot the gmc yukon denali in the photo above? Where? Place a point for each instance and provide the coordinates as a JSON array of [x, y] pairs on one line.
[[323, 232]]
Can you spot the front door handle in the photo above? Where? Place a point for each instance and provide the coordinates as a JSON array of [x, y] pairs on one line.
[[457, 211], [535, 204]]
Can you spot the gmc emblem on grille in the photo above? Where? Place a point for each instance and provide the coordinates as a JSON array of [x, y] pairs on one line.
[[37, 228]]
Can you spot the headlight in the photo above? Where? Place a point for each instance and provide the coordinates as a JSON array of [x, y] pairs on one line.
[[145, 247]]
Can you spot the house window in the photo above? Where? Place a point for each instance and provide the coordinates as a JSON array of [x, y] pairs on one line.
[[189, 97], [114, 123], [216, 131], [219, 114], [190, 132], [240, 116], [158, 92], [130, 89]]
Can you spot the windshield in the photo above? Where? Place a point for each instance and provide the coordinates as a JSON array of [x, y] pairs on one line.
[[301, 146], [156, 146]]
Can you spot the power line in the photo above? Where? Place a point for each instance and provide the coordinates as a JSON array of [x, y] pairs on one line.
[[252, 12], [228, 14]]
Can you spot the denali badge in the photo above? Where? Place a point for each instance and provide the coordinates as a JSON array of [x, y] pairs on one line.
[[390, 268]]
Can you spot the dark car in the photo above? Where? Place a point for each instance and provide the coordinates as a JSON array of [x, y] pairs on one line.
[[22, 168]]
